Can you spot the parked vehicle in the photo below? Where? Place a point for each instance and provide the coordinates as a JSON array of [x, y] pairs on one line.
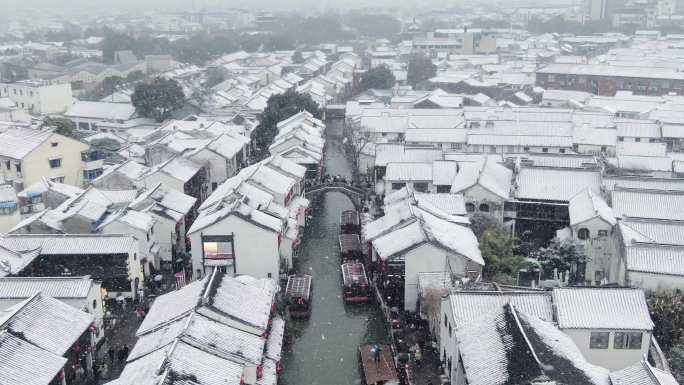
[[377, 365], [349, 222], [355, 281], [298, 296]]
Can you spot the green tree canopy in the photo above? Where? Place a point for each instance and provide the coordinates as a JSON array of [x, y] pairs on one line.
[[677, 360], [281, 107], [106, 144], [498, 252], [420, 68], [373, 25], [297, 57], [157, 99], [481, 222], [135, 76], [63, 126], [562, 255], [667, 313], [113, 42], [214, 77], [380, 77]]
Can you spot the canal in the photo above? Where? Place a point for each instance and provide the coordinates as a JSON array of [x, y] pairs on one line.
[[323, 349]]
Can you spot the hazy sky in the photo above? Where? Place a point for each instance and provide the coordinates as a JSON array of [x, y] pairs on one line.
[[187, 4]]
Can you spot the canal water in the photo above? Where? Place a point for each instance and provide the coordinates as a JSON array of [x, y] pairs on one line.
[[323, 349]]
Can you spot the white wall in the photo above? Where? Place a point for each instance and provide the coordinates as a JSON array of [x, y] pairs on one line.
[[43, 99], [599, 250], [611, 359], [256, 248], [144, 245], [478, 195], [36, 164], [654, 282], [219, 169], [426, 258], [168, 181], [448, 344], [55, 99], [164, 231], [7, 221]]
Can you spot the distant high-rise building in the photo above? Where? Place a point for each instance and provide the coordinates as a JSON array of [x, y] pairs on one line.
[[597, 9]]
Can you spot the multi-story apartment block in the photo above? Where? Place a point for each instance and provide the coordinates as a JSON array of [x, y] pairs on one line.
[[38, 97]]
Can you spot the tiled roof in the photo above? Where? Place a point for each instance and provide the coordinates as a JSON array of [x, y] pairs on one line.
[[172, 306], [648, 204], [657, 230], [655, 259], [23, 363], [52, 244], [17, 143], [611, 308], [236, 300], [56, 287], [46, 322], [553, 184], [237, 345], [587, 205], [488, 344], [180, 363], [490, 175], [642, 373], [469, 305]]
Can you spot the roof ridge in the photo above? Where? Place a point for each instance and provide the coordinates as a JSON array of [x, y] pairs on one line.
[[20, 306]]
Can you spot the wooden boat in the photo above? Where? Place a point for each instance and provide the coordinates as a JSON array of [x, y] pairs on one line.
[[298, 295], [355, 281], [380, 372], [349, 222], [350, 247]]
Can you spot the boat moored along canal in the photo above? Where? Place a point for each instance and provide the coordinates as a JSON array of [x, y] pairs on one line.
[[349, 222], [298, 296], [377, 365], [350, 247], [355, 281]]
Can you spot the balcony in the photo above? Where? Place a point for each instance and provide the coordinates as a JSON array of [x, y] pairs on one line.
[[92, 160], [92, 156]]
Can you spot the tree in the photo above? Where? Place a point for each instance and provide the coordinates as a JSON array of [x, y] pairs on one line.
[[63, 126], [297, 57], [562, 256], [498, 252], [667, 313], [420, 68], [374, 25], [481, 222], [281, 107], [214, 77], [106, 144], [112, 84], [380, 77], [135, 76], [677, 360], [158, 99], [116, 42]]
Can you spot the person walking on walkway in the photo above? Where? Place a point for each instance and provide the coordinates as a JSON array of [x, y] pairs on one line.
[[110, 353], [418, 356], [376, 354]]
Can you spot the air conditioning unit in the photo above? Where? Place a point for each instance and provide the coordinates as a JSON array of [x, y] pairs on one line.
[[39, 206], [25, 209]]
